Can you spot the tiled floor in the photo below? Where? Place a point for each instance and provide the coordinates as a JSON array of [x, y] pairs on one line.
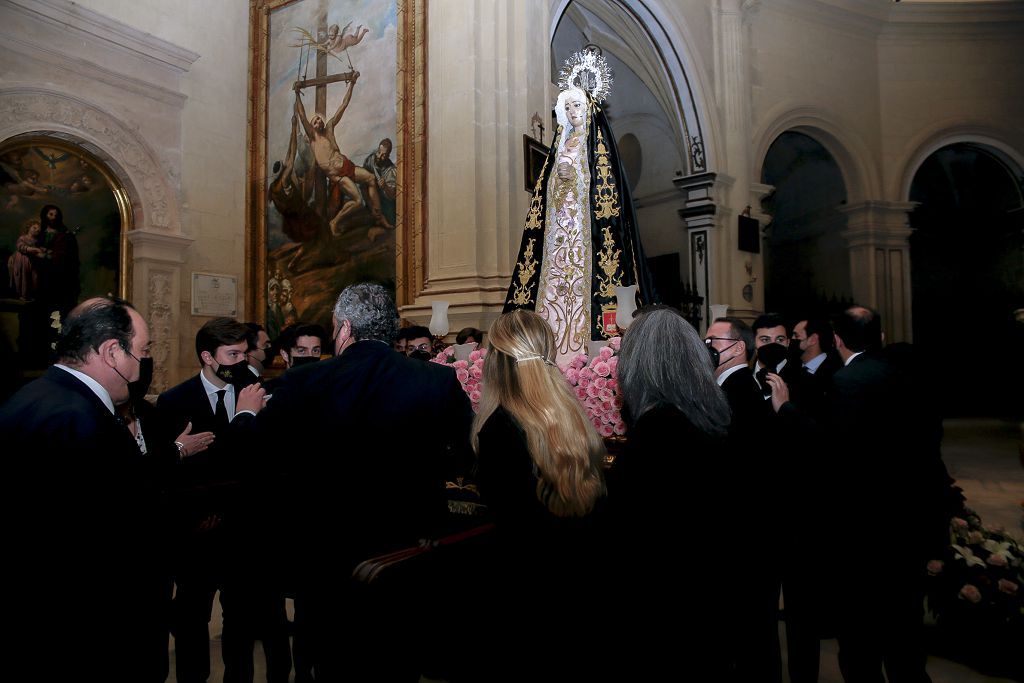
[[983, 457]]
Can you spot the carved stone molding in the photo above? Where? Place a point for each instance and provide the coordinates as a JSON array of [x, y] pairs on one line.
[[160, 316], [35, 110]]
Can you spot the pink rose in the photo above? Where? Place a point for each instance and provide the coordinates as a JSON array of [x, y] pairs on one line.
[[615, 417], [617, 402], [460, 364], [1007, 586], [579, 361], [462, 374], [935, 567], [606, 352], [592, 391], [970, 593], [607, 406], [474, 355], [620, 428], [583, 382], [606, 430], [613, 363], [607, 395], [572, 374], [474, 396], [476, 372], [615, 342], [996, 560], [600, 383], [581, 393], [587, 374], [612, 384], [602, 368]]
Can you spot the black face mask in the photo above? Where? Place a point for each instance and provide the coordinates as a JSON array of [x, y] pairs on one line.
[[716, 356], [303, 360], [421, 355], [237, 374], [137, 389], [771, 355]]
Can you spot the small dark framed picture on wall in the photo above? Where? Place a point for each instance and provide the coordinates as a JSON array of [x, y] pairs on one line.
[[534, 154]]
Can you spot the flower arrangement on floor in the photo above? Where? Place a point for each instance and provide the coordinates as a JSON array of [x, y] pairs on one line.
[[468, 372], [596, 383], [980, 578]]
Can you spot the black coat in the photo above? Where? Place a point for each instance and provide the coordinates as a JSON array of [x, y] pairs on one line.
[[82, 525], [365, 440]]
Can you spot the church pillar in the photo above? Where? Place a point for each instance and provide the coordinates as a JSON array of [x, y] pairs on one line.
[[730, 274], [483, 94], [698, 214], [157, 271], [877, 234]]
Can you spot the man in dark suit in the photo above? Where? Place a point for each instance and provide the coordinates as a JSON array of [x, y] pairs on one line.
[[755, 612], [814, 339], [365, 439], [886, 486], [215, 521], [779, 469], [83, 524]]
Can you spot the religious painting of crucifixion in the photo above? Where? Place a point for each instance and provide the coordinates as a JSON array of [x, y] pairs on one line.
[[334, 198]]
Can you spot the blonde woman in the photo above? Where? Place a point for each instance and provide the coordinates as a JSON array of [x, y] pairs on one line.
[[539, 454], [539, 471]]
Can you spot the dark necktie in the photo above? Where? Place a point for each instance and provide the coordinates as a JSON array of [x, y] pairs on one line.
[[220, 414]]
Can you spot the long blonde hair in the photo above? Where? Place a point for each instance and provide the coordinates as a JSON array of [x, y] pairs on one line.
[[521, 377]]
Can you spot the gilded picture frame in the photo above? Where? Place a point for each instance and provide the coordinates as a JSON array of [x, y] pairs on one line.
[[323, 214], [63, 238]]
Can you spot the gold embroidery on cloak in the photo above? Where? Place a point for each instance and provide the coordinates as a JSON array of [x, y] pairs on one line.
[[606, 196], [527, 267], [608, 260]]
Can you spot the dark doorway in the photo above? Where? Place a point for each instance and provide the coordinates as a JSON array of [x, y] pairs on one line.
[[806, 265], [967, 275]]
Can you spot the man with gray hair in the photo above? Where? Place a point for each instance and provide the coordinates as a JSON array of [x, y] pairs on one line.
[[365, 439]]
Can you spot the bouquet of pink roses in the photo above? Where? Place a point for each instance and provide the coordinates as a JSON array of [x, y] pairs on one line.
[[468, 372], [596, 383]]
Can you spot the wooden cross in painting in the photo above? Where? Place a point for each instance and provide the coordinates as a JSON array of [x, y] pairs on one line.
[[341, 197]]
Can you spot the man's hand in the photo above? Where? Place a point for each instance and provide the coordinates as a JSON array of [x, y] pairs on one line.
[[250, 398], [780, 392]]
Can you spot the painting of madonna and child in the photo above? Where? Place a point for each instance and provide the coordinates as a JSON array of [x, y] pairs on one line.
[[60, 240], [331, 158]]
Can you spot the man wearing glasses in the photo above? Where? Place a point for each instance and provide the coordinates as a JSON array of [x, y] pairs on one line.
[[420, 343]]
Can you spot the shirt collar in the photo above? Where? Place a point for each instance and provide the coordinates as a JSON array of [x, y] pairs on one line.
[[725, 375], [813, 364], [212, 388], [851, 358], [96, 387]]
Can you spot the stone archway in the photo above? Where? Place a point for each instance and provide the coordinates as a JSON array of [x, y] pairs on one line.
[[967, 250], [157, 246], [806, 257]]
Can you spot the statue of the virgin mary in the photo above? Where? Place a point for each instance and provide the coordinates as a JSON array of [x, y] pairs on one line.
[[580, 241]]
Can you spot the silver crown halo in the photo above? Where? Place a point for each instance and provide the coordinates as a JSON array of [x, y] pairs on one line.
[[588, 62]]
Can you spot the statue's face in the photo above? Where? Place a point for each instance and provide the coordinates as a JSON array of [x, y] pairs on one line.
[[574, 111], [317, 122]]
